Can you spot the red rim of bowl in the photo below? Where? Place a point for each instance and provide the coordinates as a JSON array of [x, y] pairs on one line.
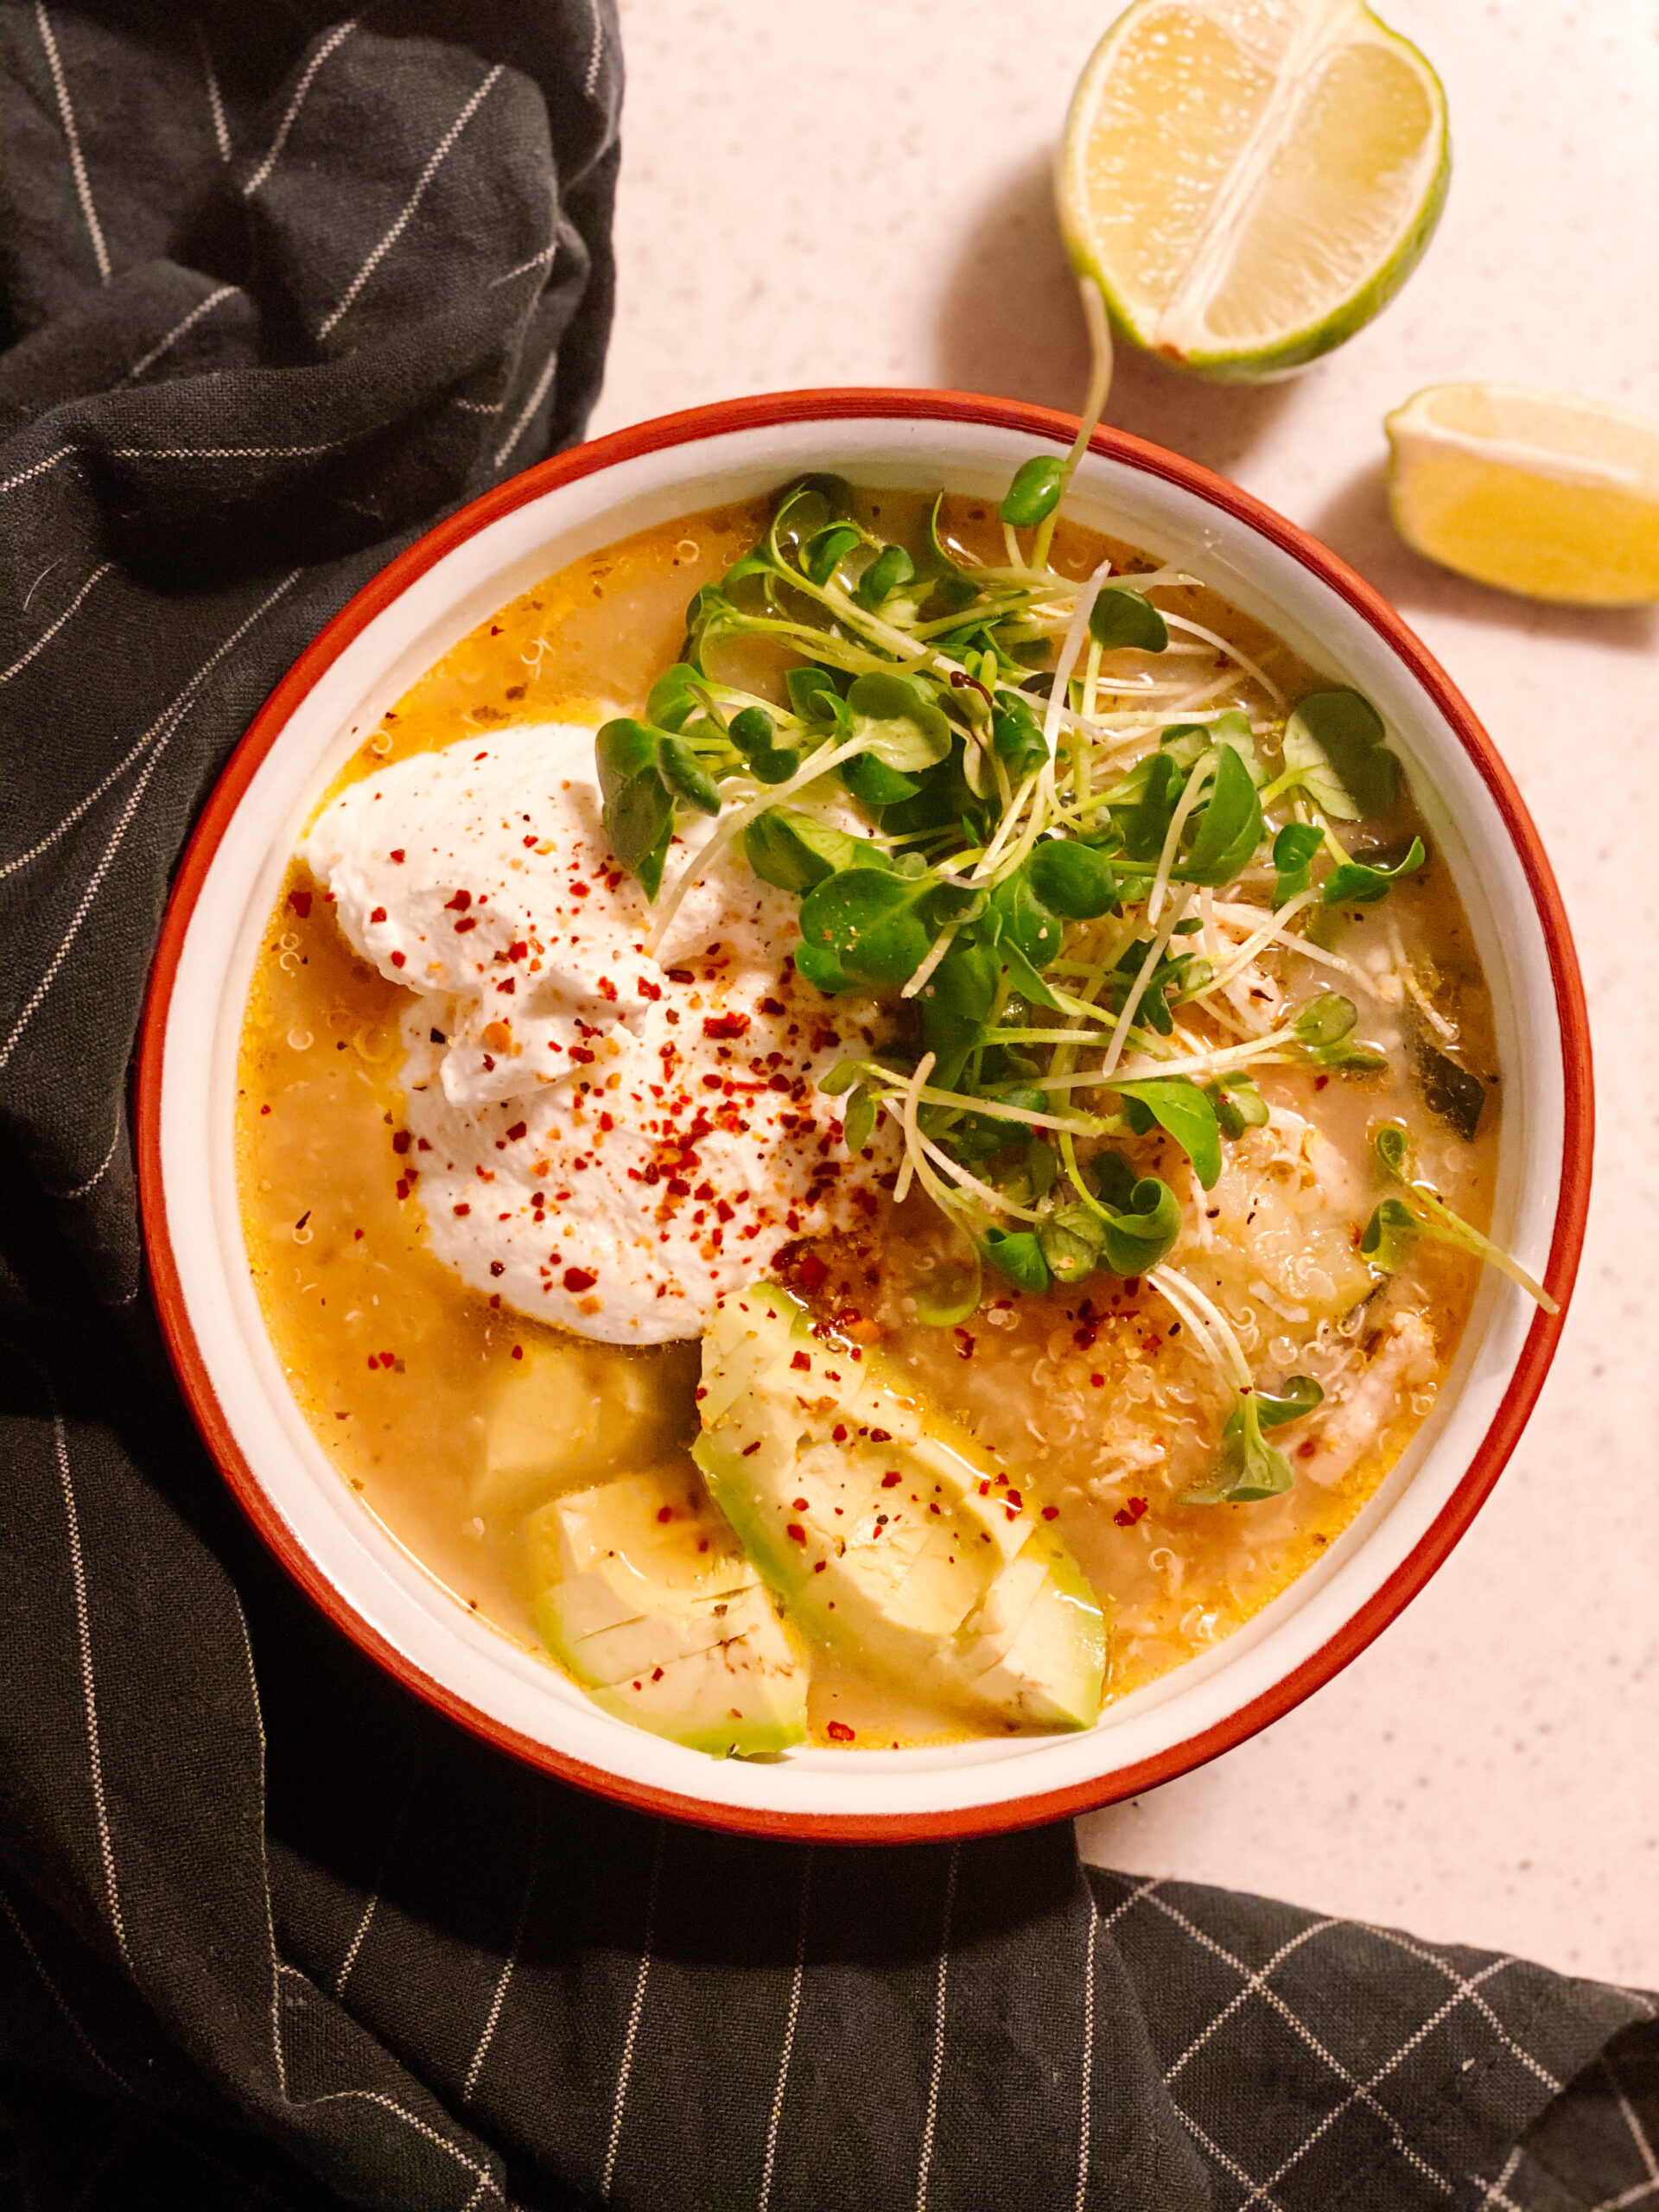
[[1455, 1517]]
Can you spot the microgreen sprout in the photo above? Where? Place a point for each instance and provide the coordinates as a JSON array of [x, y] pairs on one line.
[[1047, 828]]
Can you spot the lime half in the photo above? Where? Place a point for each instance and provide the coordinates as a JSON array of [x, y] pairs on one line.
[[1534, 491], [1249, 180]]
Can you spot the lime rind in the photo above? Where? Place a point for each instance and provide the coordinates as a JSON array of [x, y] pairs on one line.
[[1284, 354]]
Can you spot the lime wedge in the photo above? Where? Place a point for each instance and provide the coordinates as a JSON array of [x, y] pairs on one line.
[[1554, 496], [1249, 180]]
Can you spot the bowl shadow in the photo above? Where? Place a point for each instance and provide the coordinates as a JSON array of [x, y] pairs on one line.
[[1355, 522]]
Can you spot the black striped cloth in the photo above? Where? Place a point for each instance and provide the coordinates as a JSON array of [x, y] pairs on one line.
[[279, 289]]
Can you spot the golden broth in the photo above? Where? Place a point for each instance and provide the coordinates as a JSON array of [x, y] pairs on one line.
[[436, 1403]]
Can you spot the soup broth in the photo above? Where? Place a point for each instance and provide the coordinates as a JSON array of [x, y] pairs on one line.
[[456, 1418]]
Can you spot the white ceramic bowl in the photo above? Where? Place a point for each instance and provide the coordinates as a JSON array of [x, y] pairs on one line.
[[406, 619]]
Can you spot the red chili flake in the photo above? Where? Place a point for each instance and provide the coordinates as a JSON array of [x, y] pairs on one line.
[[460, 903], [839, 1733], [461, 1208], [772, 1006], [1126, 1515], [801, 1362], [578, 1279], [515, 1132], [580, 1053], [404, 1186], [1307, 1447], [497, 1267], [1051, 1513], [300, 902], [796, 1532], [646, 991], [517, 1351], [964, 1344], [812, 1274], [818, 1566], [892, 1478], [1097, 1382], [838, 1433], [749, 1450], [1015, 1498], [470, 922], [880, 1436], [401, 1141], [379, 914], [664, 1513], [530, 843], [1319, 1082], [680, 976], [397, 960], [265, 1109], [397, 855], [800, 1505], [726, 1026], [656, 1673]]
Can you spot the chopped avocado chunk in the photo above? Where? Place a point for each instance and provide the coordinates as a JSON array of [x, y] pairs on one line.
[[885, 1527], [569, 1411], [641, 1594]]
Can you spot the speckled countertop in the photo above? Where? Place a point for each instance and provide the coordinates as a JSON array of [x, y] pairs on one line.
[[860, 194]]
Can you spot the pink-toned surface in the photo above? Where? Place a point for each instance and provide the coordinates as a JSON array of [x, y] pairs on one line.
[[816, 195]]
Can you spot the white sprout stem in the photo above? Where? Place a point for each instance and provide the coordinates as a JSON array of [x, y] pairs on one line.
[[1244, 660], [1077, 631], [721, 843], [981, 1190], [1182, 1292], [943, 1198], [1079, 1124], [941, 945], [1225, 1056], [1274, 927], [913, 1135], [1006, 828], [1132, 1004], [1178, 822]]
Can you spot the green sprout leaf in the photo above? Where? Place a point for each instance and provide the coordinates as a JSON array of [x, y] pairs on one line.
[[1230, 828], [1298, 1394], [1017, 738], [876, 923], [1072, 1242], [898, 722], [1035, 492], [890, 571], [1146, 823], [1295, 851], [684, 775], [1019, 1256], [1325, 1021], [1248, 1468], [823, 970], [1389, 1237], [1433, 1217], [796, 850], [637, 811], [823, 552], [676, 696], [1073, 880], [1362, 882], [1179, 1108], [1239, 1105], [950, 1291], [957, 1001], [1122, 617], [1016, 919], [876, 785], [858, 1121], [816, 696], [1334, 751]]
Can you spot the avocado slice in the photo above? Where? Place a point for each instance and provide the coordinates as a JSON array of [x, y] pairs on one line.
[[885, 1527], [642, 1594]]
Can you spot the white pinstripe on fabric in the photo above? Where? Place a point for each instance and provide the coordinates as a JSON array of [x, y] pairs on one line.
[[161, 727], [536, 261], [71, 138], [277, 2052], [335, 38], [215, 102], [88, 1687], [1467, 1988], [1251, 1987], [27, 475], [529, 407], [1639, 2133], [511, 1961], [798, 1982], [1086, 2063], [624, 2065], [1631, 2196], [596, 53], [47, 636], [221, 453], [434, 162], [1495, 2198], [85, 1189], [117, 836], [201, 307], [487, 2180], [924, 2160]]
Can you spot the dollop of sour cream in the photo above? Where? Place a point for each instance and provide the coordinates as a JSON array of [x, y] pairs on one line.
[[606, 1138]]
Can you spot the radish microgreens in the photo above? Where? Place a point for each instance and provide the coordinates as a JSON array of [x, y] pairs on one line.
[[1029, 877]]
